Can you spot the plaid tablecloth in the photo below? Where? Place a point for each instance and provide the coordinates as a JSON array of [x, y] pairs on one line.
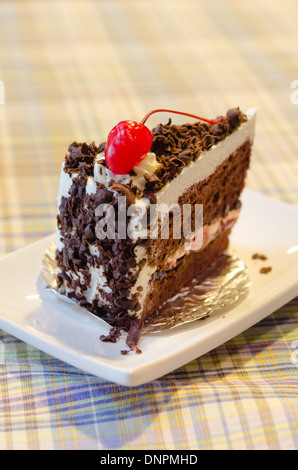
[[70, 70]]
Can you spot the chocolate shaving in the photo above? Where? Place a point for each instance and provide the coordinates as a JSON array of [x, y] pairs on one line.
[[265, 270], [126, 190], [81, 154], [235, 117], [77, 222], [113, 335], [258, 256], [133, 334]]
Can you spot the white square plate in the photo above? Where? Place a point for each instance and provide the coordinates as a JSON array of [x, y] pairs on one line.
[[35, 315]]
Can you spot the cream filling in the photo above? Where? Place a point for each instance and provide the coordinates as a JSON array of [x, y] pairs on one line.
[[146, 167], [97, 285], [200, 240], [204, 236]]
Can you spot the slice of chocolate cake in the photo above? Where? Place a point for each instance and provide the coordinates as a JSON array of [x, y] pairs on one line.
[[142, 214]]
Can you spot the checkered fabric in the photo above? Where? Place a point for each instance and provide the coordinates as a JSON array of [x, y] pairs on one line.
[[70, 70]]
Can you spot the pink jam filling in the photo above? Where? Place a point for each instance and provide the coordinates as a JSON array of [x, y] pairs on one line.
[[205, 235]]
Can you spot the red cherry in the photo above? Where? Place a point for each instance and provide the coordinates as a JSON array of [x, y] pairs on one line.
[[127, 143]]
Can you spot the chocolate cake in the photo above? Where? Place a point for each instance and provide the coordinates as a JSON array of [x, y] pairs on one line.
[[119, 258]]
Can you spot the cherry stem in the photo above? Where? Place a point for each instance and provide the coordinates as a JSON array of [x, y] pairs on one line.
[[210, 121]]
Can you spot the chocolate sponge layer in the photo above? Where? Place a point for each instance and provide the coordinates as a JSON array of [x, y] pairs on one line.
[[165, 284], [218, 194]]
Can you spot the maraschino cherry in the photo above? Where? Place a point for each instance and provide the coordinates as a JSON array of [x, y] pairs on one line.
[[129, 142]]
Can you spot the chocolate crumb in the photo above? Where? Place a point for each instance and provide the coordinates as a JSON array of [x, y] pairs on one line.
[[265, 270], [124, 352], [258, 256], [113, 335]]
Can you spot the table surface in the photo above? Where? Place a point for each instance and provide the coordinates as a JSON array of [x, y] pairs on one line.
[[71, 71]]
